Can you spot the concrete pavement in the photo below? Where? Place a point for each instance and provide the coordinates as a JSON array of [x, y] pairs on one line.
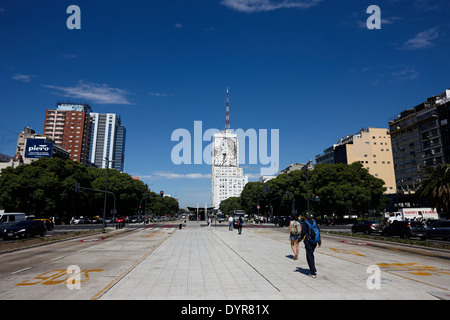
[[198, 263]]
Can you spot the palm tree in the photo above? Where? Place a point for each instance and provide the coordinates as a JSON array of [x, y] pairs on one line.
[[435, 187]]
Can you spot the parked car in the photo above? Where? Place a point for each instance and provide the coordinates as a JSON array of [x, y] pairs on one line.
[[49, 225], [281, 221], [439, 229], [406, 229], [135, 219], [109, 220], [367, 226], [25, 229], [97, 219]]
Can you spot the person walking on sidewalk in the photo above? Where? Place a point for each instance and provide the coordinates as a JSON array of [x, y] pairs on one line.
[[230, 223], [311, 237], [239, 224], [295, 230]]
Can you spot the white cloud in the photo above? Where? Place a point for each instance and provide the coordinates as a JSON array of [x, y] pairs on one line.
[[425, 5], [404, 73], [422, 40], [93, 93], [159, 94], [267, 5], [23, 77], [178, 26], [69, 56]]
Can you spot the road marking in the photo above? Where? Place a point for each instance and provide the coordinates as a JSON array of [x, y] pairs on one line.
[[345, 251], [16, 272], [415, 269], [57, 258], [49, 278]]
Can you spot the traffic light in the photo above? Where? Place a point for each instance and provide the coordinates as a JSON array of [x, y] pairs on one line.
[[161, 193], [77, 187]]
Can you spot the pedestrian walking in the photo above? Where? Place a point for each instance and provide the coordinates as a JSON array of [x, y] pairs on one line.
[[209, 223], [239, 224], [230, 223], [295, 230], [310, 235]]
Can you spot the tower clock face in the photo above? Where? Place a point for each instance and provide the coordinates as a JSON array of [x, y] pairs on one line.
[[225, 152]]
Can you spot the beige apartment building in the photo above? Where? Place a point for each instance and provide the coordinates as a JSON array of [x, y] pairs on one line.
[[372, 148]]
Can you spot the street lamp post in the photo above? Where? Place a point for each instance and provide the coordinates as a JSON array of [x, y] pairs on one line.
[[307, 187], [106, 192]]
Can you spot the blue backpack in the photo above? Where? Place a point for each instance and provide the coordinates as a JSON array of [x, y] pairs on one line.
[[314, 233]]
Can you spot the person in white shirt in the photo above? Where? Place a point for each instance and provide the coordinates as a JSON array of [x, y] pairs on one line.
[[230, 221]]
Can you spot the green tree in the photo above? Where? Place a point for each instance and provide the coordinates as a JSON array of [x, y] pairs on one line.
[[340, 187], [46, 188], [229, 205], [251, 196], [435, 187], [343, 188]]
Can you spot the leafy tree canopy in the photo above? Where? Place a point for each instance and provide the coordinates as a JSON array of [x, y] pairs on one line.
[[46, 188]]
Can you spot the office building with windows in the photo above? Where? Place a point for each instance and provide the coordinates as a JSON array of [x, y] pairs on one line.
[[420, 139], [108, 138], [371, 147]]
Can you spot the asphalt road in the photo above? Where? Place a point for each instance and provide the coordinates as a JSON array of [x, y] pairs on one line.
[[97, 262]]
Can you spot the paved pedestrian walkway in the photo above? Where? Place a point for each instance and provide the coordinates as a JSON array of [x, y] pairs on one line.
[[198, 263]]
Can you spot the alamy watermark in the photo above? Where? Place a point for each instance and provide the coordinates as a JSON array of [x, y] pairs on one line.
[[74, 20], [374, 21], [258, 146], [374, 280], [74, 280]]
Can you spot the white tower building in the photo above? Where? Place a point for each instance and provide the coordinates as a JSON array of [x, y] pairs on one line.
[[228, 179]]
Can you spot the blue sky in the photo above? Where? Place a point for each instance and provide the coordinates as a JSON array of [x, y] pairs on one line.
[[310, 69]]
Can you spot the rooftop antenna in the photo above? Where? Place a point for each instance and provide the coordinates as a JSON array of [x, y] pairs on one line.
[[227, 119]]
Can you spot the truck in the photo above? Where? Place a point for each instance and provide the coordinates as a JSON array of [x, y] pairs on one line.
[[414, 213]]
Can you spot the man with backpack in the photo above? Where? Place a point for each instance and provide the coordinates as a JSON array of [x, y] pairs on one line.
[[310, 235]]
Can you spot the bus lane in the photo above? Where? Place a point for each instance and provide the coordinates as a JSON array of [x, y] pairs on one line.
[[76, 269]]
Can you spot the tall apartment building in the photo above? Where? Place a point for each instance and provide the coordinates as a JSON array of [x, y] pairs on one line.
[[69, 126], [420, 139], [372, 148], [443, 113], [107, 141]]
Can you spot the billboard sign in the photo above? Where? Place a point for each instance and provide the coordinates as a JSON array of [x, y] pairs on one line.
[[38, 148]]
